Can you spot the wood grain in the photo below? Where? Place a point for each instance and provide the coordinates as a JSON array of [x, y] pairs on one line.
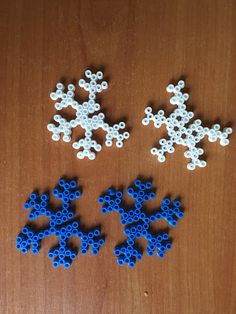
[[142, 46]]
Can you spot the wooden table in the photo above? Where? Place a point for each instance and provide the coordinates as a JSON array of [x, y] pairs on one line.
[[141, 46]]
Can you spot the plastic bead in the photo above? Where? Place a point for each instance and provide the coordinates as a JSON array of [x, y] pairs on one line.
[[181, 132], [137, 222], [62, 224], [86, 117]]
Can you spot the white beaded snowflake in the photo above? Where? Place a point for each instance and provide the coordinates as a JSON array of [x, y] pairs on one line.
[[181, 132], [85, 117]]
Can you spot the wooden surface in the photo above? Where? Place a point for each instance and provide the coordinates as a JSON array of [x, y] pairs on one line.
[[142, 46]]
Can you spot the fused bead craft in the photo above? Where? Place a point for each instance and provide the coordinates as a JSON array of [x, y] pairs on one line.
[[63, 225], [85, 117], [181, 132], [137, 221]]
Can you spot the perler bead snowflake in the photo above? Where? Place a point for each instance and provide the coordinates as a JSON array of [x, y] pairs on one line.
[[137, 221], [62, 224], [181, 132], [85, 117]]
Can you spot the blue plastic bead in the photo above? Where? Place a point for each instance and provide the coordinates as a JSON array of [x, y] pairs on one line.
[[148, 185], [73, 184], [137, 183]]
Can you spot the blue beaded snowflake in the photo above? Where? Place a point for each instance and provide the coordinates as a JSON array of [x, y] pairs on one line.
[[137, 221], [62, 224]]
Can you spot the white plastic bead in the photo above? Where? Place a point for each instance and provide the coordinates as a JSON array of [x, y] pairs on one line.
[[53, 96], [224, 142], [98, 88], [122, 125], [55, 137], [60, 86], [104, 85], [185, 96], [80, 155], [92, 156], [100, 75], [181, 84], [190, 166], [148, 110], [145, 121], [71, 87], [88, 73], [228, 130], [66, 138], [154, 151], [98, 148], [97, 107], [119, 144], [170, 88], [50, 126], [161, 158], [70, 94], [108, 143], [203, 163], [126, 135]]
